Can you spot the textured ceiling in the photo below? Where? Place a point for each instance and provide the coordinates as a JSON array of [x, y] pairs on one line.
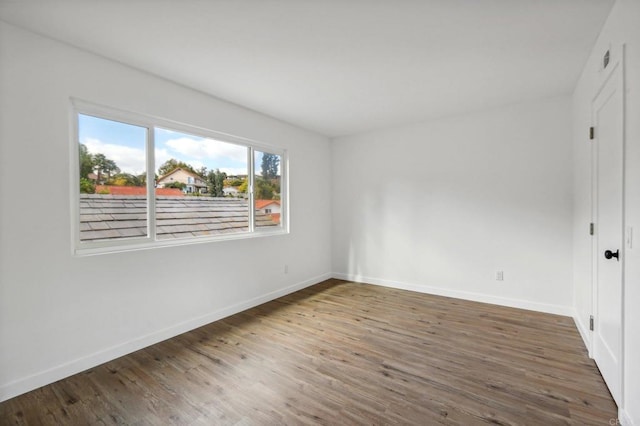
[[338, 67]]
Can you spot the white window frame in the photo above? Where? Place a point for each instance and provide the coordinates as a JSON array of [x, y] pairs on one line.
[[84, 248]]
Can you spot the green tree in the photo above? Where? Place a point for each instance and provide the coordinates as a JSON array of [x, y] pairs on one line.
[[86, 161], [215, 183], [176, 184], [244, 186], [268, 185], [172, 164], [269, 166], [202, 171], [264, 189], [126, 179], [87, 186], [103, 165]]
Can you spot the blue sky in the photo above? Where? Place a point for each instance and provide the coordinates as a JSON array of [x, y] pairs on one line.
[[125, 144]]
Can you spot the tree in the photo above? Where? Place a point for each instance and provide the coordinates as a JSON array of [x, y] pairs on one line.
[[175, 184], [172, 164], [87, 186], [269, 183], [264, 189], [103, 165], [215, 183], [202, 171], [126, 179], [244, 186], [86, 161], [269, 166]]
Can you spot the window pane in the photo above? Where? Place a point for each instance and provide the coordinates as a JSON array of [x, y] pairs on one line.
[[268, 178], [201, 186], [113, 195]]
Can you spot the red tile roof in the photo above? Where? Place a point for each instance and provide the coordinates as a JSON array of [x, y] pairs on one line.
[[136, 190], [260, 204]]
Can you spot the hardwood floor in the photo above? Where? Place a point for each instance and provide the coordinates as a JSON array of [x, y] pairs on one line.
[[343, 353]]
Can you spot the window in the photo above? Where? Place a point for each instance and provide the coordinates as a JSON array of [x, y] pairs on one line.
[[268, 188], [143, 182], [199, 165], [111, 153]]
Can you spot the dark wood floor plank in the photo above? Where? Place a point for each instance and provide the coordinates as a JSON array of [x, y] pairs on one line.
[[342, 353]]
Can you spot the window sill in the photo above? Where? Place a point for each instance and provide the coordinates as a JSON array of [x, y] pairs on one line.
[[147, 245]]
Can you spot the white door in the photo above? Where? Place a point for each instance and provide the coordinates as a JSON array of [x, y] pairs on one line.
[[607, 110]]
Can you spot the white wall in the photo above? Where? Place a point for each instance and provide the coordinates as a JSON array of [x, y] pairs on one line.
[[441, 206], [60, 314], [622, 26]]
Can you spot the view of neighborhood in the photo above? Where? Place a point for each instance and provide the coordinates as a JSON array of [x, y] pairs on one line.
[[101, 175]]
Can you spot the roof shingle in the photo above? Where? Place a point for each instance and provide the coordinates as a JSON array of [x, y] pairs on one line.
[[106, 217]]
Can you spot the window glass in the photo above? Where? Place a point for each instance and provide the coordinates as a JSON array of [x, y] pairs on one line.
[[194, 180], [112, 178], [267, 189]]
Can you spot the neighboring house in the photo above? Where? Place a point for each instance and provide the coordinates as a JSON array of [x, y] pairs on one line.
[[269, 207], [194, 183], [136, 190], [231, 191]]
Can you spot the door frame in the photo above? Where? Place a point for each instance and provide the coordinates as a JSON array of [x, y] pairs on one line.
[[615, 66]]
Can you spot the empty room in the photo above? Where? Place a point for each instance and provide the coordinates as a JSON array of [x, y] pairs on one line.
[[320, 212]]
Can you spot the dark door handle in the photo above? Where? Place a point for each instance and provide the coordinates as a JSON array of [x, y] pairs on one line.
[[609, 254]]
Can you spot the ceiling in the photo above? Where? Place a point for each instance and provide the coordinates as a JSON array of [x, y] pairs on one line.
[[338, 67]]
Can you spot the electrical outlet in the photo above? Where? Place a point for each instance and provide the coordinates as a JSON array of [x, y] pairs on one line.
[[286, 269], [499, 275]]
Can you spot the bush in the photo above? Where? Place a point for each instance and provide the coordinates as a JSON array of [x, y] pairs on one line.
[[178, 185], [87, 186]]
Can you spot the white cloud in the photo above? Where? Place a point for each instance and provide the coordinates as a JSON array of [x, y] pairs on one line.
[[198, 153], [197, 165], [207, 149], [129, 160], [234, 171], [161, 156]]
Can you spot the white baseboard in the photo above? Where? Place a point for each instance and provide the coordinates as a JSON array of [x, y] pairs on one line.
[[476, 297], [584, 332], [26, 384], [624, 418]]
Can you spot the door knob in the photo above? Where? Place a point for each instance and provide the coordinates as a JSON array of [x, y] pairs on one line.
[[609, 254]]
